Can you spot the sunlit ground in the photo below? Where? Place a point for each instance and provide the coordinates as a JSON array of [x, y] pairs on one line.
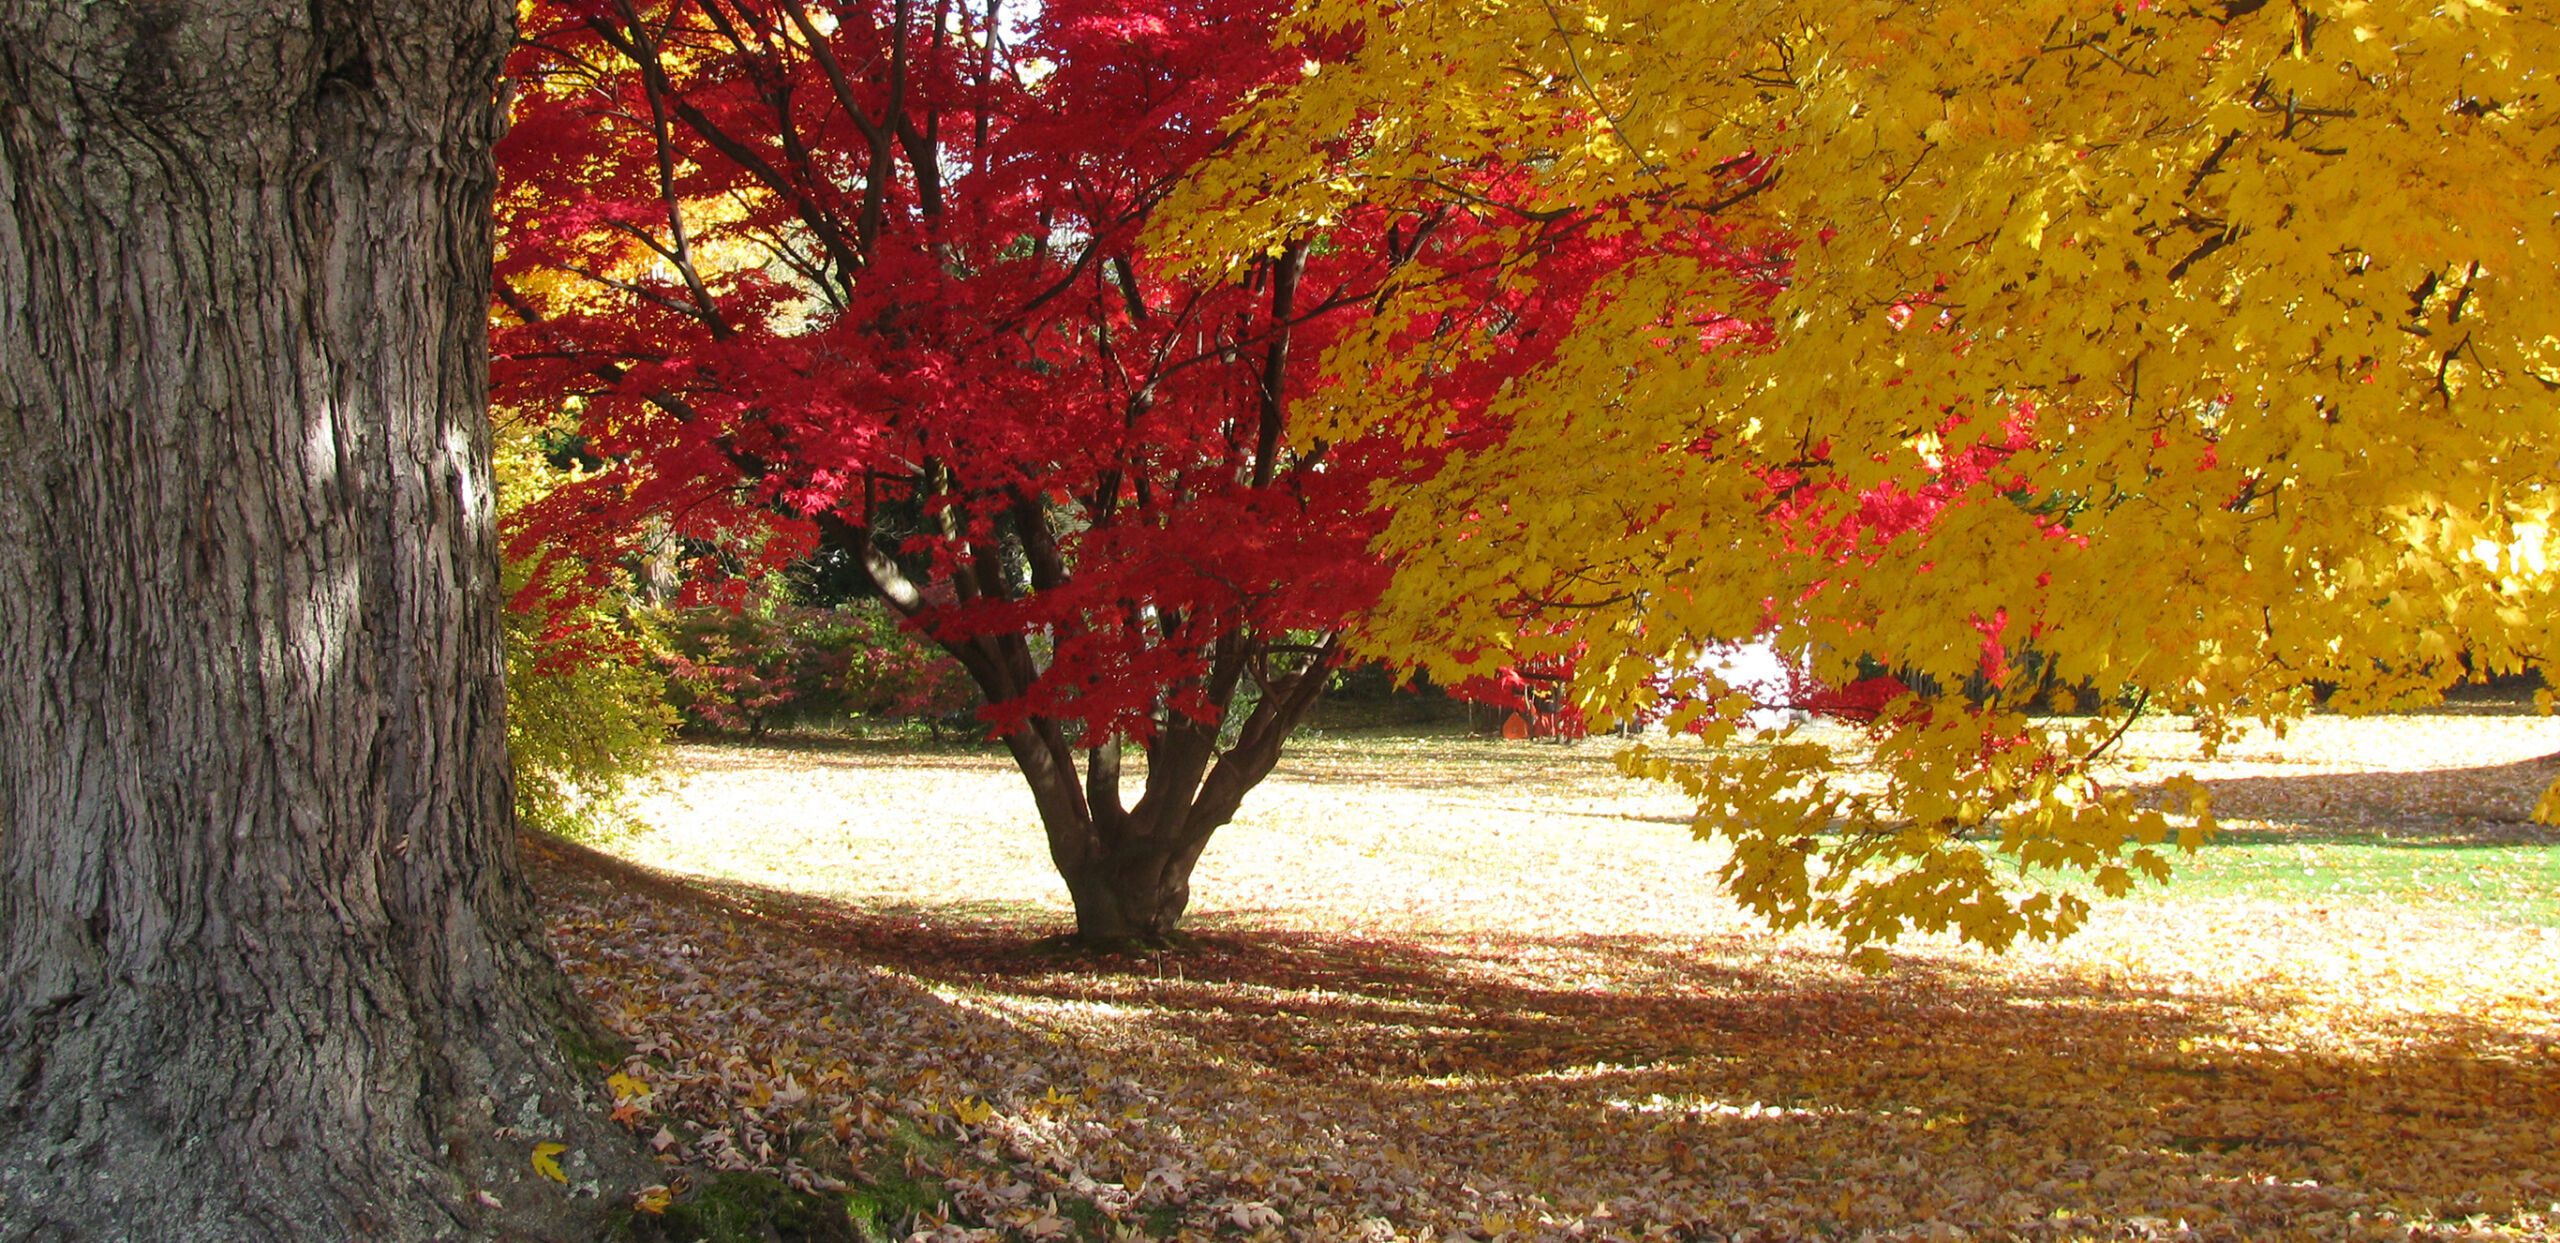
[[1452, 988]]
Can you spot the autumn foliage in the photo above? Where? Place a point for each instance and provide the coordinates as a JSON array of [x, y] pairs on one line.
[[863, 285], [2017, 353], [2189, 357]]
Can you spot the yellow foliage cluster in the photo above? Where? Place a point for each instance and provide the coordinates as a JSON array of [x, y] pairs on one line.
[[2269, 285], [585, 719]]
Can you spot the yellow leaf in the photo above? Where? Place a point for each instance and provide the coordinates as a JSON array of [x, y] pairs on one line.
[[2546, 810], [546, 1160], [653, 1199]]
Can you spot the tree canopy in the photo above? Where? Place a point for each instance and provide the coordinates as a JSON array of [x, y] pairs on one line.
[[865, 284], [2191, 356]]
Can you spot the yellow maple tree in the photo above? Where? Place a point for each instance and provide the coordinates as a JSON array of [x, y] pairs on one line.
[[2251, 305]]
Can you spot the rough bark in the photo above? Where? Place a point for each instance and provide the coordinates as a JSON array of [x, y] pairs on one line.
[[267, 965]]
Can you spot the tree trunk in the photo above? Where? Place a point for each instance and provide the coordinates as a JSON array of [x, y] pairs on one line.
[[1135, 886], [268, 969], [1128, 872]]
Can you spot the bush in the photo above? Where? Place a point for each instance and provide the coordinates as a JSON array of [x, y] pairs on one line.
[[890, 672], [580, 732], [586, 716], [772, 662]]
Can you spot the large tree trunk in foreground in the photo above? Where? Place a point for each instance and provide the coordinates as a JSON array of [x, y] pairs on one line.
[[267, 966]]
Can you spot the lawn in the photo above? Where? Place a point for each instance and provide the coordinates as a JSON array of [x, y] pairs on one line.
[[1459, 989]]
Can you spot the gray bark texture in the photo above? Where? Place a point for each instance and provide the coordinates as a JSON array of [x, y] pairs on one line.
[[268, 967]]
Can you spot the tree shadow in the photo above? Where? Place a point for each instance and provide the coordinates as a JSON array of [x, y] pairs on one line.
[[2487, 805], [1737, 1087]]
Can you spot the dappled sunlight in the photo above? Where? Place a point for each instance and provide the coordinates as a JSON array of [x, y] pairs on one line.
[[1482, 1002]]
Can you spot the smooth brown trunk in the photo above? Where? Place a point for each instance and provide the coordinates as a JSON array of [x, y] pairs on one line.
[[268, 969]]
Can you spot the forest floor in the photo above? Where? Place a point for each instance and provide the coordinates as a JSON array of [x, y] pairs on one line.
[[1455, 989]]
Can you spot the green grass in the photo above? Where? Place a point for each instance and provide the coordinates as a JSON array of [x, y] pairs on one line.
[[591, 1047], [884, 1204], [2507, 884], [882, 1210], [746, 1208], [886, 1201], [2512, 885]]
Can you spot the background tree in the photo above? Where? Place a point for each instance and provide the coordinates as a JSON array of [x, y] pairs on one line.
[[587, 717], [267, 965], [862, 283], [2201, 348]]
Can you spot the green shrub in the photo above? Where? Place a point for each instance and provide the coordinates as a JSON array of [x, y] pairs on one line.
[[746, 669]]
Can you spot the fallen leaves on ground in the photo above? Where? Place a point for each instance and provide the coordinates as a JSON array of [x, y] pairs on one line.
[[1453, 990]]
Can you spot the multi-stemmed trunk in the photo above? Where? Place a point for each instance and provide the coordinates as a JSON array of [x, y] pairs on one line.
[[267, 965], [1128, 867]]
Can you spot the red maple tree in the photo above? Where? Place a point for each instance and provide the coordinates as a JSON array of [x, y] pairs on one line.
[[864, 283]]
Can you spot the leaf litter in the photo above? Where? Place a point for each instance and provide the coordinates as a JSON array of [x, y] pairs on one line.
[[1445, 989]]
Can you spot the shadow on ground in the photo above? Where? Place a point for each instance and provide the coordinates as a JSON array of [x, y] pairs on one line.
[[2487, 805], [1727, 1087]]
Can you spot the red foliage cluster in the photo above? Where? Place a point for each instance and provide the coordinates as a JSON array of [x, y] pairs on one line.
[[864, 282], [1534, 693]]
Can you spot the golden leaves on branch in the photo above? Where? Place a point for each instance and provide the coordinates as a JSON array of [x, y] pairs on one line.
[[2250, 300]]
